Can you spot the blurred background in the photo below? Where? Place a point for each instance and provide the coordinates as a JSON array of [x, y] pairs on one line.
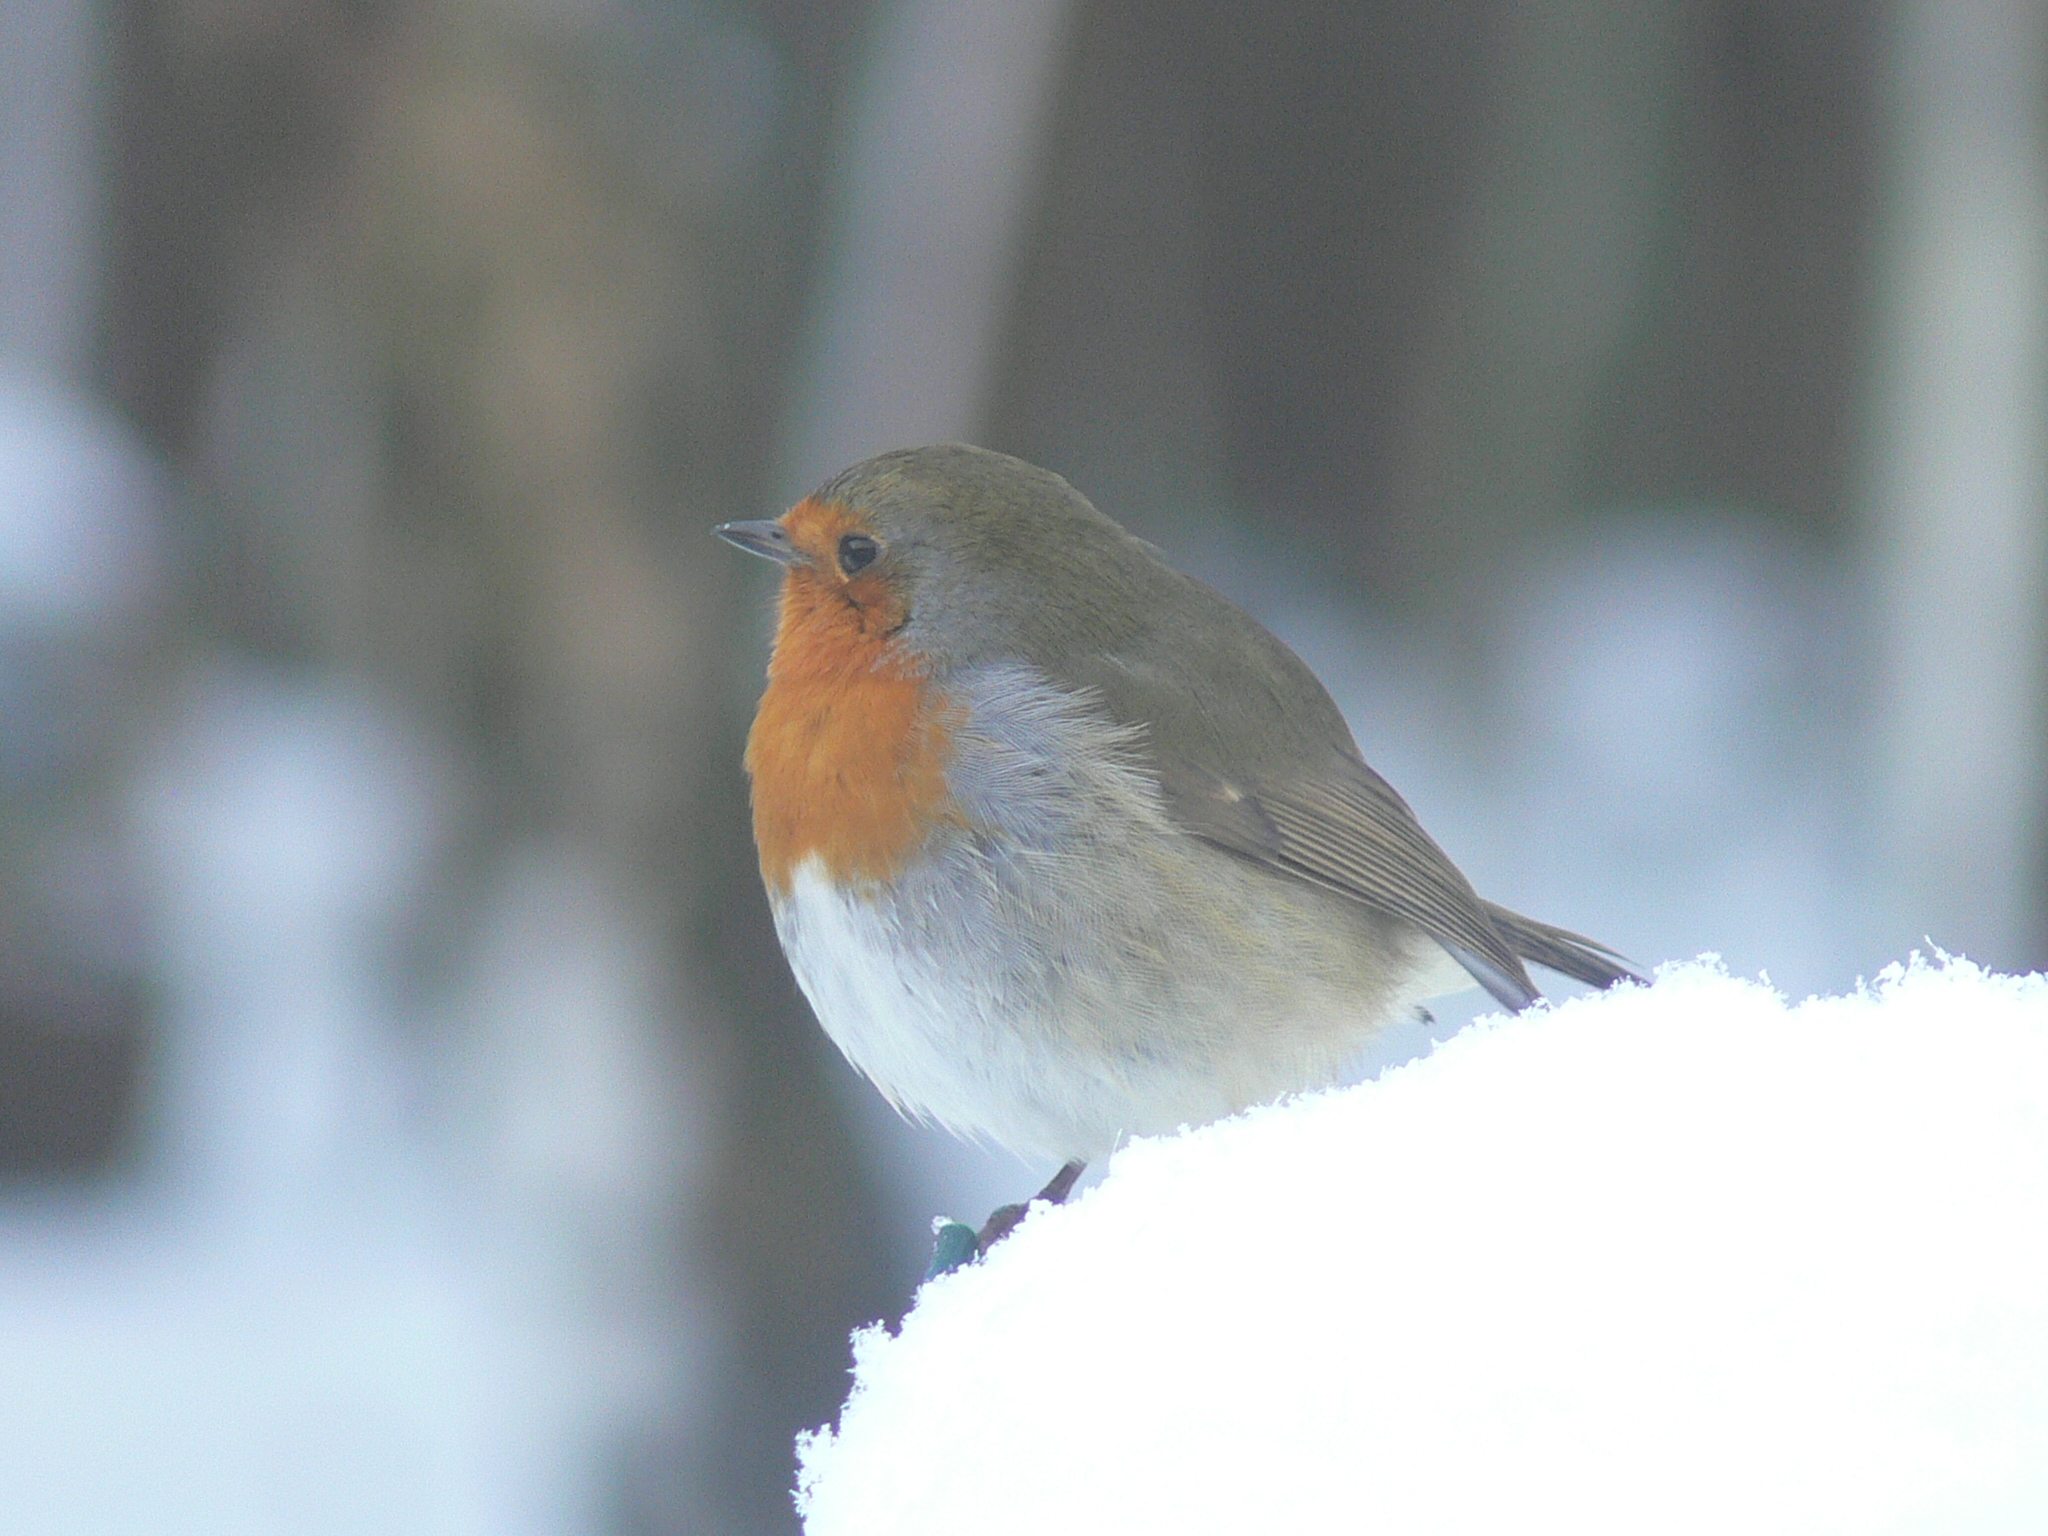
[[1634, 411]]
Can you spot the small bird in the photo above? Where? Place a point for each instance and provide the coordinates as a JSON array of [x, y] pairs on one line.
[[1065, 847]]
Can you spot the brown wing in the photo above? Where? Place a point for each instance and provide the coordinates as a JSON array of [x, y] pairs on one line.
[[1567, 953], [1253, 756], [1349, 832]]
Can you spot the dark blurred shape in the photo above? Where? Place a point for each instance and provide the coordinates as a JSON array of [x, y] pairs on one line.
[[73, 1044], [1334, 144], [1421, 283], [1739, 384], [82, 568], [223, 116]]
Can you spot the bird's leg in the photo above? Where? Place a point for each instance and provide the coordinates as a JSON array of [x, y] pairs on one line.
[[1004, 1218], [957, 1244]]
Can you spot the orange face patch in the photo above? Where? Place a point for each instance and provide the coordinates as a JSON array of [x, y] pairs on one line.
[[830, 620], [849, 748]]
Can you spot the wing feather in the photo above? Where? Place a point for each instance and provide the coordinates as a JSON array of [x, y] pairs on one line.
[[1253, 756], [1355, 836]]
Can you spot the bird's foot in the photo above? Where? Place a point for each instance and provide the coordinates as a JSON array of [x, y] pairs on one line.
[[955, 1244]]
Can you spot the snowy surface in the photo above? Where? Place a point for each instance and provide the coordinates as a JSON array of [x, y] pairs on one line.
[[1679, 1258]]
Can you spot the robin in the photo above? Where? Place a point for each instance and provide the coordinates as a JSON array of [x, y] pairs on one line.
[[1063, 846]]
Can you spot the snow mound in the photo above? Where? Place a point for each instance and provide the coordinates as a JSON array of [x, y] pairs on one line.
[[1676, 1258]]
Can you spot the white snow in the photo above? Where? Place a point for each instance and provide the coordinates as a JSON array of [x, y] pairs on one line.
[[1686, 1257]]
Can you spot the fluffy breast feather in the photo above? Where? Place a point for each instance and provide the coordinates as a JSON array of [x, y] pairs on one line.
[[1058, 965]]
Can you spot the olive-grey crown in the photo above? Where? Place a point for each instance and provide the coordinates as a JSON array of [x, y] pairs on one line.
[[997, 557]]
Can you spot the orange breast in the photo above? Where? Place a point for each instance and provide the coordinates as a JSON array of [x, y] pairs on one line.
[[849, 749]]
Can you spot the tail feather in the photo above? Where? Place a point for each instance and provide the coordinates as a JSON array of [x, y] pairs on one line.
[[1558, 949]]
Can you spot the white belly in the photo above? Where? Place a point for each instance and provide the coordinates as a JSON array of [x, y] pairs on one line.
[[940, 1048], [1065, 1070]]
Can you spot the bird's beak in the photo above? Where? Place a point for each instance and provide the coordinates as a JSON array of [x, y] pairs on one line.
[[764, 537]]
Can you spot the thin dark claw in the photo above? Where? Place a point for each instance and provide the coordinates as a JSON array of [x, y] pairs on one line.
[[1061, 1184], [1002, 1221]]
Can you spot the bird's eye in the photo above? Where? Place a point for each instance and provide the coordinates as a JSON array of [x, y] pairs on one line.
[[857, 552]]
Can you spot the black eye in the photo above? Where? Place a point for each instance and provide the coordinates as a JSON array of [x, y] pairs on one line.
[[857, 552]]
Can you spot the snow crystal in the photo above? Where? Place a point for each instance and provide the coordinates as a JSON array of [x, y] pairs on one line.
[[1677, 1258]]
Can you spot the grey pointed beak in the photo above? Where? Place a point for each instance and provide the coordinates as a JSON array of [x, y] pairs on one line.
[[763, 537]]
